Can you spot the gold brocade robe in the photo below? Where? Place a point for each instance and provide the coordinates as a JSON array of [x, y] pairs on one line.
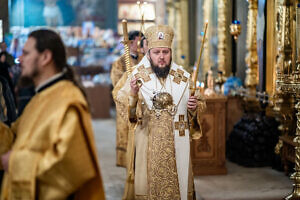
[[118, 68], [53, 154], [118, 77], [158, 167]]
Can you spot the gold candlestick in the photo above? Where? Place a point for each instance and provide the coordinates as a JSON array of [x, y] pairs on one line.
[[199, 59], [126, 43], [294, 86]]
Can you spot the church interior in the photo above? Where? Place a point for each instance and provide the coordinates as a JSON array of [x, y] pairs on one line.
[[248, 56]]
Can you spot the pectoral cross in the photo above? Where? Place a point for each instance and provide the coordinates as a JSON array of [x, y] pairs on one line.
[[178, 76], [144, 73], [181, 125]]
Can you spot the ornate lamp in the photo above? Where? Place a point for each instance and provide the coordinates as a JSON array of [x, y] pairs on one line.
[[235, 29]]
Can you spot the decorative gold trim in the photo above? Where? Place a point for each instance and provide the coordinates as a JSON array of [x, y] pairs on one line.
[[162, 171], [143, 73], [181, 125], [287, 81], [271, 48], [141, 197], [178, 76], [251, 59], [222, 38], [126, 43]]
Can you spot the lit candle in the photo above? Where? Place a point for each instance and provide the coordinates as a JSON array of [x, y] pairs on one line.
[[202, 87]]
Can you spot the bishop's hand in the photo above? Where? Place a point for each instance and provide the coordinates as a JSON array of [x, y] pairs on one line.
[[134, 86], [192, 103]]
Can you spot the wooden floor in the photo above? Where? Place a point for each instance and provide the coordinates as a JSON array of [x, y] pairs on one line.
[[239, 184]]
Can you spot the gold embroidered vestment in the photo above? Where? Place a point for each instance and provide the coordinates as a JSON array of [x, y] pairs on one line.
[[53, 151], [118, 77]]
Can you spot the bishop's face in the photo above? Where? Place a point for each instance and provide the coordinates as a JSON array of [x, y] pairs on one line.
[[160, 59], [160, 56]]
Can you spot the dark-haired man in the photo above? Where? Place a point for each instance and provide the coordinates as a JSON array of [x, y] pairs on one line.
[[162, 108], [49, 152], [118, 67], [117, 71], [144, 45]]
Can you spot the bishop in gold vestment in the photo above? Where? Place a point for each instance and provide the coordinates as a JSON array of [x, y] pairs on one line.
[[164, 111], [118, 77]]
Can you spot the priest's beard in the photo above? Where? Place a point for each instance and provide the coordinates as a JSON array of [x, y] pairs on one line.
[[161, 72], [33, 74]]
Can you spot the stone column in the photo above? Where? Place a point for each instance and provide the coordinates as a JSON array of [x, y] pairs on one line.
[[161, 12], [207, 11], [184, 29], [178, 19]]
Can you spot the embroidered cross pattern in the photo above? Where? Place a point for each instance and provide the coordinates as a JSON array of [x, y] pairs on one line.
[[181, 125], [178, 76], [144, 73]]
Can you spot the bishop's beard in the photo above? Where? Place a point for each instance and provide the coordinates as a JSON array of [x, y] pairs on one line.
[[161, 72]]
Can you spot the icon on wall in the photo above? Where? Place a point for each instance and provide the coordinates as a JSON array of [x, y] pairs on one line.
[[88, 29], [52, 13]]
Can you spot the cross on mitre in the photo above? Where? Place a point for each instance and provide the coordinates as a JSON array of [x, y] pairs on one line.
[[181, 125], [161, 36], [143, 73], [178, 76]]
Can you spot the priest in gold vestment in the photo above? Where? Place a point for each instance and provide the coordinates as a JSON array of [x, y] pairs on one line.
[[163, 110], [49, 152], [118, 77]]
